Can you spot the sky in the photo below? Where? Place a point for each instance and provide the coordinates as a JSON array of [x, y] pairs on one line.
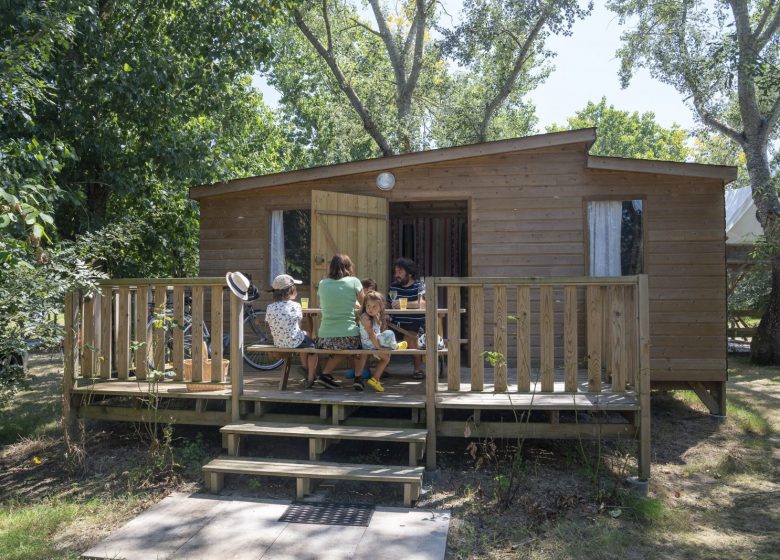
[[585, 70]]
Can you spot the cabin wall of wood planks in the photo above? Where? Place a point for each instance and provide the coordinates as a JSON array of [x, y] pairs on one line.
[[527, 218]]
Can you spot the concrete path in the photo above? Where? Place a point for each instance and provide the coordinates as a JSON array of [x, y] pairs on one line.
[[226, 528]]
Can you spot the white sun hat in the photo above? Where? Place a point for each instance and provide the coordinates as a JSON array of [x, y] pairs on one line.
[[238, 284]]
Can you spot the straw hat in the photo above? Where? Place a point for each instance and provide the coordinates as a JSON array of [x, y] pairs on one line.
[[238, 284]]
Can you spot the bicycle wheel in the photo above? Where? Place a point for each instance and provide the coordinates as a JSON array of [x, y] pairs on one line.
[[256, 332], [151, 343]]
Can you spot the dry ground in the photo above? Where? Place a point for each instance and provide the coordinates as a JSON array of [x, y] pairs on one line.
[[715, 489]]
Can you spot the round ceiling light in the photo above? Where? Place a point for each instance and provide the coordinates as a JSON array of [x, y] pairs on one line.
[[385, 181]]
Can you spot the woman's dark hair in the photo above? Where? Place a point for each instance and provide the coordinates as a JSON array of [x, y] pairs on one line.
[[368, 284], [340, 266], [406, 265]]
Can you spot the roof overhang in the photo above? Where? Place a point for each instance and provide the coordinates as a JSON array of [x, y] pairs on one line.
[[585, 135], [726, 173]]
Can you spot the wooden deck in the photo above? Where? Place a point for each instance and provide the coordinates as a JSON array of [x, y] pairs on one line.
[[547, 358]]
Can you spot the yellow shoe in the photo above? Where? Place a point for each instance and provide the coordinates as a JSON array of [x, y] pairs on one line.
[[375, 385], [402, 345]]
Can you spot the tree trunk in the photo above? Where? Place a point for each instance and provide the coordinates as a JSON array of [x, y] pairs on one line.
[[97, 203], [765, 346]]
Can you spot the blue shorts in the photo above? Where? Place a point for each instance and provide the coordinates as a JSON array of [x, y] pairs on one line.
[[307, 342]]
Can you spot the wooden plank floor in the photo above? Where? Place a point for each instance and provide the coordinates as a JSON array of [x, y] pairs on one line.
[[401, 390]]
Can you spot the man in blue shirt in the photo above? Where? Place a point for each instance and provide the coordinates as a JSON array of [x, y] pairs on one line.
[[407, 285]]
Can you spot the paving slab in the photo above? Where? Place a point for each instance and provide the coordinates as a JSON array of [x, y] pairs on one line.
[[201, 526]]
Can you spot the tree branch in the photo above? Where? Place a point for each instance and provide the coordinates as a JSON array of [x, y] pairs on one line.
[[368, 124], [771, 119], [746, 88], [509, 82], [419, 43], [396, 61], [760, 38], [710, 120], [326, 18]]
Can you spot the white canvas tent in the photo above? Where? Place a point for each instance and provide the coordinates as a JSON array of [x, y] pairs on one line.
[[742, 227]]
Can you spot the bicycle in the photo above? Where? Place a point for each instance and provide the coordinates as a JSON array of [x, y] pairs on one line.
[[256, 331], [155, 320]]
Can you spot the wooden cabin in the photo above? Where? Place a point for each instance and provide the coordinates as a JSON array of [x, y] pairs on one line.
[[563, 284], [511, 208]]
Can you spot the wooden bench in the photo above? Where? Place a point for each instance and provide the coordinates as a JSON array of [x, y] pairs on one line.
[[319, 436], [305, 471], [288, 353]]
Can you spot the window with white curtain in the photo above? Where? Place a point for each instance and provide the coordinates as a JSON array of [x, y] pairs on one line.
[[290, 250], [615, 237]]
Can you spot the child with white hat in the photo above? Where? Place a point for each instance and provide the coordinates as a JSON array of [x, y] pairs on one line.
[[284, 316]]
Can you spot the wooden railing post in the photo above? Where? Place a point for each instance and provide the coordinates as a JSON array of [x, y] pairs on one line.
[[499, 339], [236, 353], [453, 338], [546, 338], [431, 374], [196, 331], [216, 334], [643, 304], [141, 338], [570, 339], [106, 338], [523, 339], [477, 336]]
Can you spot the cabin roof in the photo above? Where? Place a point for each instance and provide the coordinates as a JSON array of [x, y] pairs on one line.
[[582, 136]]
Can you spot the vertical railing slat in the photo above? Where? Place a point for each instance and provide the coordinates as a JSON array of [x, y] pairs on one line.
[[477, 337], [547, 339], [453, 338], [106, 314], [643, 305], [523, 339], [499, 338], [632, 350], [216, 334], [177, 354], [617, 338], [123, 333], [594, 308], [141, 334], [197, 333], [158, 332], [570, 338], [88, 340], [431, 355], [236, 351]]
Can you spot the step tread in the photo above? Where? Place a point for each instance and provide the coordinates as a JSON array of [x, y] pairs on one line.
[[326, 431], [314, 469]]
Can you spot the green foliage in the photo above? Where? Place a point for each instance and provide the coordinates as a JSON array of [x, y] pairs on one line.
[[628, 135], [499, 45], [28, 531]]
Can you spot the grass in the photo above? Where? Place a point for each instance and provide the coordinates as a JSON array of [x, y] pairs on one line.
[[27, 531]]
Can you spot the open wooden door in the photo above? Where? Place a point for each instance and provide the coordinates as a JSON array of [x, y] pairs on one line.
[[352, 225]]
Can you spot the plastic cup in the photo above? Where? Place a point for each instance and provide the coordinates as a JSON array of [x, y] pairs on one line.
[[402, 303], [305, 302]]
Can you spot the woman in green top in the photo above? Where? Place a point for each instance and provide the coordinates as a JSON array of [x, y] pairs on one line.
[[339, 294]]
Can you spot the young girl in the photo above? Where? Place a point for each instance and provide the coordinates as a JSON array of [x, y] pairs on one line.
[[283, 317], [373, 337]]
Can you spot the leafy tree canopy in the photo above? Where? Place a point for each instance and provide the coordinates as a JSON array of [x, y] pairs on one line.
[[628, 135]]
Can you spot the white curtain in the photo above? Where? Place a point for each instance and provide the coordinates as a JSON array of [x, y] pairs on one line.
[[604, 219], [277, 265]]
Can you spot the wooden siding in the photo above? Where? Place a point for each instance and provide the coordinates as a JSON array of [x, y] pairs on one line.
[[526, 219]]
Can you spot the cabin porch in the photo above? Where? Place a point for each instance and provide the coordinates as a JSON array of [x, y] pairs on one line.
[[568, 358]]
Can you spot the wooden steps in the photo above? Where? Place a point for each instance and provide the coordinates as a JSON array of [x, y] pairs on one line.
[[305, 471], [320, 435]]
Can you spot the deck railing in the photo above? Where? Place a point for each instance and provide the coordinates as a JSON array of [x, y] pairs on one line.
[[534, 327], [592, 331], [132, 326]]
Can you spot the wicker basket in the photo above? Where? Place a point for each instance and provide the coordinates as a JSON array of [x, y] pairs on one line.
[[199, 387]]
